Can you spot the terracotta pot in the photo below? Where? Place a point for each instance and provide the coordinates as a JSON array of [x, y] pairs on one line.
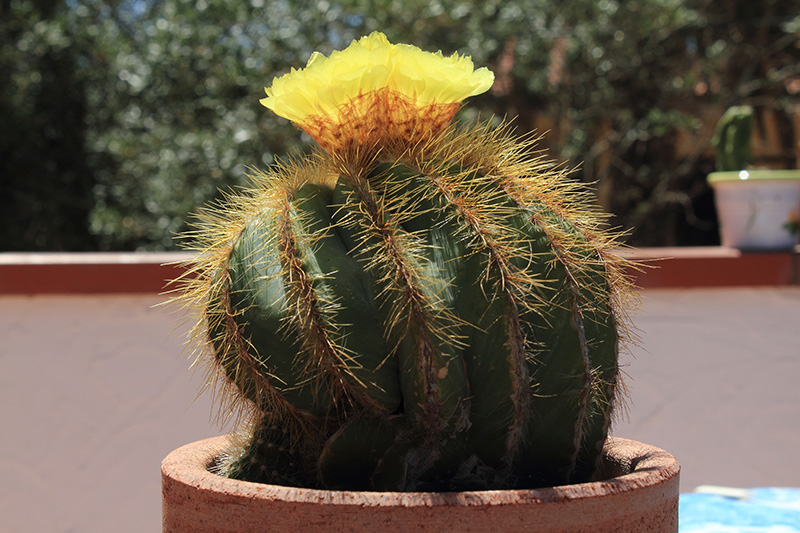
[[640, 494]]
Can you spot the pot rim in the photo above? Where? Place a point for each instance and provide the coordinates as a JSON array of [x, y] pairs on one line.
[[762, 175], [628, 465]]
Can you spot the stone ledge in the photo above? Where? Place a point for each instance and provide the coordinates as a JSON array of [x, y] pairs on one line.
[[149, 272], [89, 272], [714, 266]]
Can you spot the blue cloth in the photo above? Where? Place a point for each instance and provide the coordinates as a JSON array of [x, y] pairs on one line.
[[763, 510]]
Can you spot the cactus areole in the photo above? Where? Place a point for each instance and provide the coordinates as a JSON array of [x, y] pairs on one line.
[[417, 306]]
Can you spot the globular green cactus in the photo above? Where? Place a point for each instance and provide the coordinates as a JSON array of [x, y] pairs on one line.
[[731, 139], [419, 308]]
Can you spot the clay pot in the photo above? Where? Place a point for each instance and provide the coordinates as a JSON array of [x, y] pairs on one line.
[[640, 494]]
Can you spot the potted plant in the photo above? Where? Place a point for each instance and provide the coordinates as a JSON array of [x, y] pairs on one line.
[[418, 326], [759, 209]]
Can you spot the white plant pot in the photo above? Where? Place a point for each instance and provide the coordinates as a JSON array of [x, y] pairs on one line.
[[757, 209]]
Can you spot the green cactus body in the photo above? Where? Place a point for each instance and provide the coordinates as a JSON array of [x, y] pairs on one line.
[[439, 318], [732, 139]]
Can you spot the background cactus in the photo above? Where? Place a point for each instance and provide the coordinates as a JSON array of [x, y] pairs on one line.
[[731, 139], [428, 309]]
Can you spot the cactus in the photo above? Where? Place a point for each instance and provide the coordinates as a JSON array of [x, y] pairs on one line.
[[731, 139], [422, 306]]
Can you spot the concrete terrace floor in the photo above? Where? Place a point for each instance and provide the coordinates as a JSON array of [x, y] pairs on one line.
[[95, 391]]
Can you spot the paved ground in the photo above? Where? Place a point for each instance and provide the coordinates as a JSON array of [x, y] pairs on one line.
[[94, 393], [715, 382]]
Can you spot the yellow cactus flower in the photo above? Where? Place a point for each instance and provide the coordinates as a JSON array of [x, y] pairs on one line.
[[375, 91]]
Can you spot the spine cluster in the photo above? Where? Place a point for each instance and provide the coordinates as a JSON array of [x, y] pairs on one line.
[[440, 317]]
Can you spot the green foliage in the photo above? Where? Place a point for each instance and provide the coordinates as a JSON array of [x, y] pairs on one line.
[[631, 90], [184, 118], [123, 115], [46, 180], [153, 108]]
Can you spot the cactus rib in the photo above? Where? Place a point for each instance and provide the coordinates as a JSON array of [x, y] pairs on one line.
[[438, 316]]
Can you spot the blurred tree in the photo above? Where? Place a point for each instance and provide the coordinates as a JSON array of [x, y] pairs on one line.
[[122, 116], [125, 115], [47, 184], [629, 91], [176, 114]]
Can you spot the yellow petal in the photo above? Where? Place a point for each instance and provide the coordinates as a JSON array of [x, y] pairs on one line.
[[332, 89], [372, 63]]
